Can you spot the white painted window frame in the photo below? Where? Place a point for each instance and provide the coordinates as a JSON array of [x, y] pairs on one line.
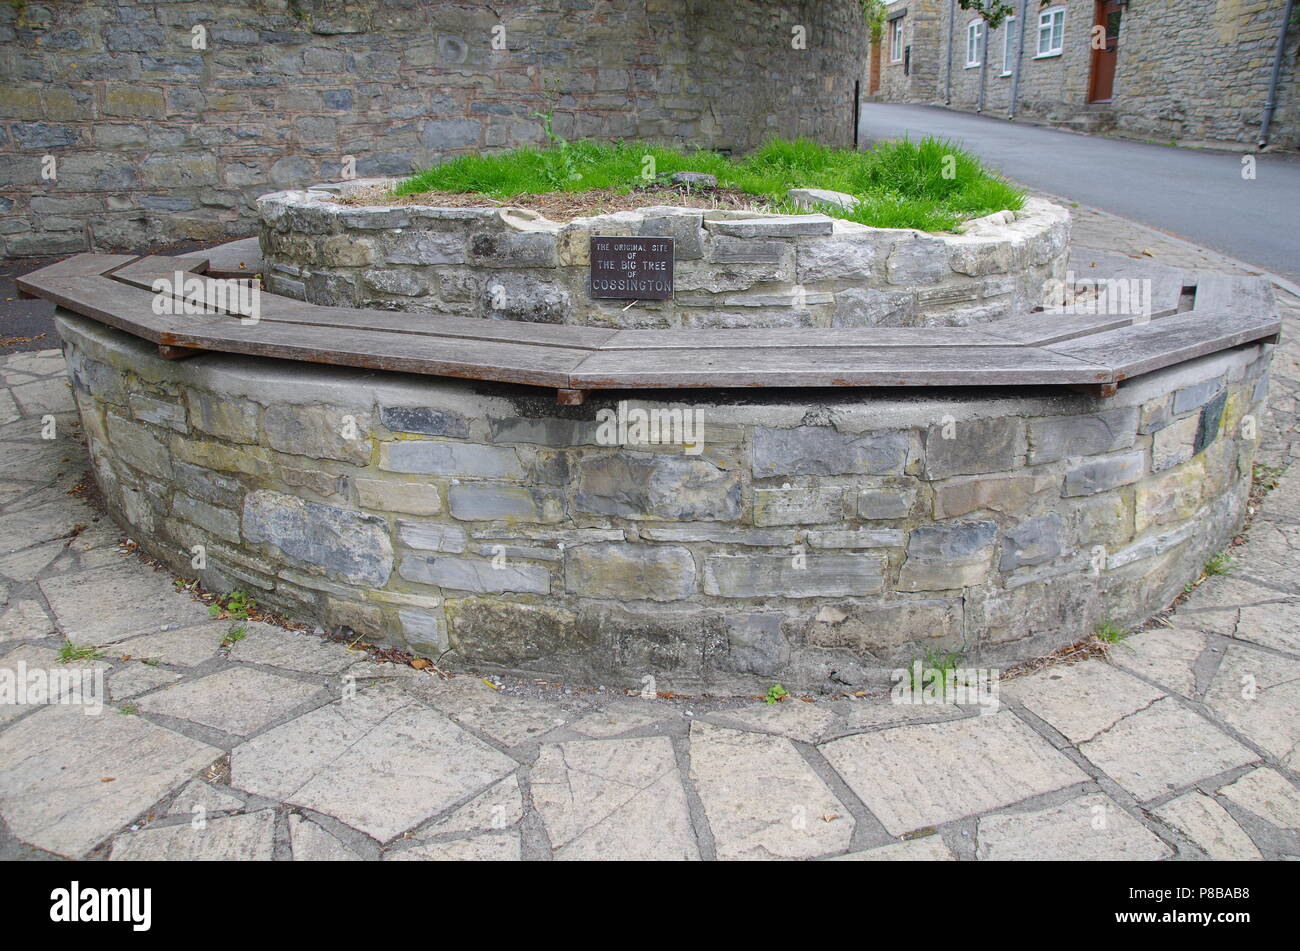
[[1046, 21], [896, 40], [975, 30], [1008, 45]]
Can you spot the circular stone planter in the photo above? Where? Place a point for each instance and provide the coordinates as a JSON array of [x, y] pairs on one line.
[[733, 268], [818, 542]]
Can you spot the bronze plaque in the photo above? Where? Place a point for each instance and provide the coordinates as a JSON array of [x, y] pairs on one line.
[[631, 268]]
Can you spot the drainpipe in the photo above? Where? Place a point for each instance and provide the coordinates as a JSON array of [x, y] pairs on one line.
[[1020, 54], [947, 81], [984, 62], [1271, 104]]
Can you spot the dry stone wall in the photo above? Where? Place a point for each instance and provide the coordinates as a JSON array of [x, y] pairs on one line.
[[154, 140], [818, 542], [732, 268]]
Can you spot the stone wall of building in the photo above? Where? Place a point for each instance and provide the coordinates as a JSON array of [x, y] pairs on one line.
[[818, 541], [151, 140], [916, 77], [732, 268], [1190, 71]]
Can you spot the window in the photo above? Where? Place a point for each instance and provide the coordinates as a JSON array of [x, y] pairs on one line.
[[974, 42], [1051, 31], [1008, 45], [896, 39]]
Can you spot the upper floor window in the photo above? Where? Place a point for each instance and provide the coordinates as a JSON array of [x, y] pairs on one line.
[[1051, 31], [896, 39], [1008, 45], [974, 42]]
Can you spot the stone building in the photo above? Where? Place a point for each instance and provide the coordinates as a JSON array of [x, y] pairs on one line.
[[1195, 72], [127, 124]]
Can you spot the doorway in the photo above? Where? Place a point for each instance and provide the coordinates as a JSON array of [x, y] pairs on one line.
[[1101, 87]]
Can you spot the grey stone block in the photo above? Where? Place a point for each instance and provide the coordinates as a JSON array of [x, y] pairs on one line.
[[657, 486], [1211, 418], [822, 450], [504, 632], [450, 459], [475, 501], [1032, 542], [775, 226], [431, 536], [880, 628], [977, 446], [810, 575], [885, 503], [1064, 436], [755, 644], [137, 447], [474, 574], [221, 522], [1109, 472], [801, 506], [1195, 396], [943, 557], [629, 572], [350, 544], [425, 420], [319, 432]]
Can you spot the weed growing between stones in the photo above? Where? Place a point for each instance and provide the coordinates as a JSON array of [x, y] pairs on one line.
[[931, 185]]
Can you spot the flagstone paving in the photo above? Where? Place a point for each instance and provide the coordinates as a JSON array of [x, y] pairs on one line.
[[1184, 744]]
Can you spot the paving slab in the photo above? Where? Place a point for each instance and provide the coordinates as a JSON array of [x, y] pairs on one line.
[[1257, 694], [184, 647], [239, 701], [23, 527], [1165, 655], [378, 767], [277, 647], [206, 797], [1088, 828], [911, 777], [81, 683], [26, 564], [752, 815], [248, 838], [623, 717], [508, 719], [1210, 826], [497, 808], [928, 848], [810, 722], [613, 799], [25, 620], [1162, 748], [107, 604], [499, 847], [311, 843], [131, 680], [1269, 795], [1275, 624], [71, 780], [52, 395], [1082, 700]]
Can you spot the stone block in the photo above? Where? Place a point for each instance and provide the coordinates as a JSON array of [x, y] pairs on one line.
[[973, 446], [773, 226], [1175, 443], [822, 450], [431, 536], [799, 506], [1107, 472], [629, 572], [427, 457], [135, 445], [810, 575], [943, 557], [755, 644], [997, 493], [409, 498], [1032, 542], [657, 486], [424, 420], [319, 432], [232, 420], [476, 501], [349, 544], [505, 632], [221, 522], [1060, 437], [479, 575], [885, 503], [883, 627]]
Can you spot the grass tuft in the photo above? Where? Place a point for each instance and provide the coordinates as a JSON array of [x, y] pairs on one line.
[[931, 185]]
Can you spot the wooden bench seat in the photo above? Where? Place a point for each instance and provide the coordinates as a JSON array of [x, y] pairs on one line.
[[1093, 352]]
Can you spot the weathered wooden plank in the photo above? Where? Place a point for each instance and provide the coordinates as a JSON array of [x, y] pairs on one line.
[[1235, 293], [1042, 328], [242, 258], [79, 265], [802, 338], [1176, 339], [143, 271], [1166, 282], [845, 366], [379, 350], [115, 304]]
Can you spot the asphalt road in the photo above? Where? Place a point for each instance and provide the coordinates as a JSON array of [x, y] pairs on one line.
[[1196, 194]]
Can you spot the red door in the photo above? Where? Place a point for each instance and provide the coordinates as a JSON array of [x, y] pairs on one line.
[[1105, 46]]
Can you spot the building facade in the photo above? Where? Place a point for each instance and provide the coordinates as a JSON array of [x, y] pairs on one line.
[[1195, 72]]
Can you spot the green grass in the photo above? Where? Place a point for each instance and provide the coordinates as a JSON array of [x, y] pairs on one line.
[[1220, 564], [775, 694], [71, 652], [931, 185], [1111, 634]]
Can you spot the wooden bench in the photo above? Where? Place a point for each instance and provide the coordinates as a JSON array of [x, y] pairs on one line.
[[1089, 352]]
